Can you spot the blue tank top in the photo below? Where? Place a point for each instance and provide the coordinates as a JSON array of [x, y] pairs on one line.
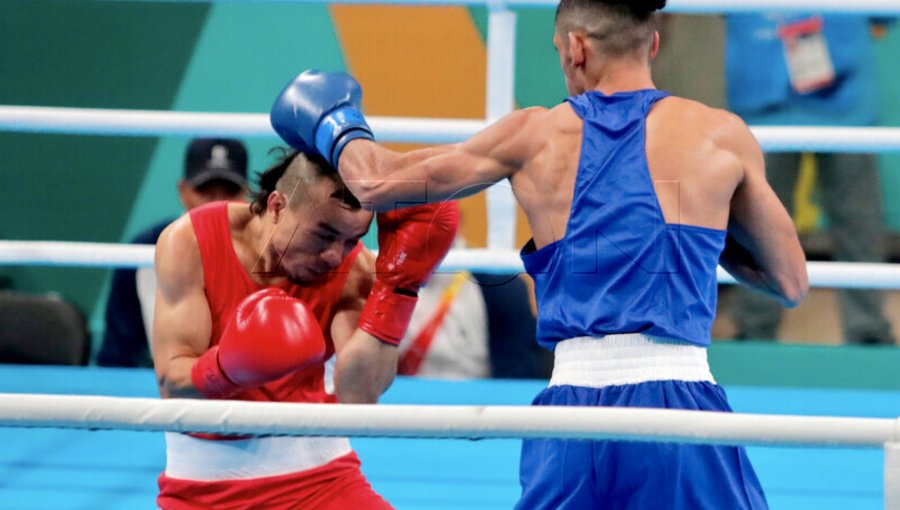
[[620, 268]]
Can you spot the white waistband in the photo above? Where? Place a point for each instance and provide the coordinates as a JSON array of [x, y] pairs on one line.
[[631, 358], [190, 458]]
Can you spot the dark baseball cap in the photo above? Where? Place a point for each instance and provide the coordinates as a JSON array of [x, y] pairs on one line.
[[210, 159]]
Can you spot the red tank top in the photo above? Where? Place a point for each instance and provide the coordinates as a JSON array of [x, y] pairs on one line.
[[227, 283]]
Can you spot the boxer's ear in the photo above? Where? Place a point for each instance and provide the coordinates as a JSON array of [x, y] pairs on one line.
[[276, 204], [654, 48], [576, 48]]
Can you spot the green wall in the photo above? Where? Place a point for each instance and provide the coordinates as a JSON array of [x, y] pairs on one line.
[[243, 57], [889, 80], [539, 81], [811, 366], [83, 54]]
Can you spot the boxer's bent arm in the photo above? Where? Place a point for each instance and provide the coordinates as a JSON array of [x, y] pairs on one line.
[[365, 369], [762, 249], [365, 366], [182, 325], [381, 178]]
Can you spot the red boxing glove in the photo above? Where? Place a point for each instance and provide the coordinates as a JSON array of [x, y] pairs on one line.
[[411, 244], [270, 336]]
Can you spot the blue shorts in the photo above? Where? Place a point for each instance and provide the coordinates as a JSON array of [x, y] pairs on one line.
[[583, 475]]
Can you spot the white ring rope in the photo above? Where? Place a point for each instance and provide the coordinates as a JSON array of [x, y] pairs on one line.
[[64, 253], [851, 275], [882, 7], [93, 121], [457, 422], [827, 139], [86, 121]]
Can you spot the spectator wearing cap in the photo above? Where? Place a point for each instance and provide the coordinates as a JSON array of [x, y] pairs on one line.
[[214, 169]]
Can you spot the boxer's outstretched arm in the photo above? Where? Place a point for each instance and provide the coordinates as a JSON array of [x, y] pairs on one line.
[[381, 178], [365, 366], [762, 249], [182, 325], [318, 112]]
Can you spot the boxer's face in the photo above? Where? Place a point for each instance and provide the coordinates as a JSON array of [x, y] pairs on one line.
[[313, 238]]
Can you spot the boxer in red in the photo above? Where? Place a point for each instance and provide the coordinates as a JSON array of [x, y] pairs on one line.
[[252, 301]]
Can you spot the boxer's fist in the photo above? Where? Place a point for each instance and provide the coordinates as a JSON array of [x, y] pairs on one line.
[[270, 336], [319, 112], [412, 241], [411, 244]]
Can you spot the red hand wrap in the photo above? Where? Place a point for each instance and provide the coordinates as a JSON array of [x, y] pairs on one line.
[[208, 378], [411, 244], [387, 313]]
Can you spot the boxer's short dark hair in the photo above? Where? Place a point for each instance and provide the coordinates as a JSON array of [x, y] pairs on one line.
[[269, 179]]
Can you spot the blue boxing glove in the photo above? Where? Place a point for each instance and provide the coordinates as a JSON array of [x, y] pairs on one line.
[[319, 112]]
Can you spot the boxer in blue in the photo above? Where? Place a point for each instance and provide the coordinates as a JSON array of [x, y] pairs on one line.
[[633, 196]]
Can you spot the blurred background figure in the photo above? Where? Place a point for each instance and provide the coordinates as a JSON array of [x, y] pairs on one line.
[[811, 69], [447, 336], [214, 169], [45, 329], [468, 326]]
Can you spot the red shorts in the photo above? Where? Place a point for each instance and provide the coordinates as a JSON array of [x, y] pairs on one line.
[[338, 485]]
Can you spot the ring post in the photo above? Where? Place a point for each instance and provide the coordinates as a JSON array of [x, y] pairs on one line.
[[892, 475], [501, 57]]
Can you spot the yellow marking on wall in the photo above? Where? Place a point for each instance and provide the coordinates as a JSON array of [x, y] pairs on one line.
[[806, 212]]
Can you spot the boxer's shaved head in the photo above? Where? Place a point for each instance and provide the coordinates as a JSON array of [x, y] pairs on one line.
[[295, 172], [616, 28]]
